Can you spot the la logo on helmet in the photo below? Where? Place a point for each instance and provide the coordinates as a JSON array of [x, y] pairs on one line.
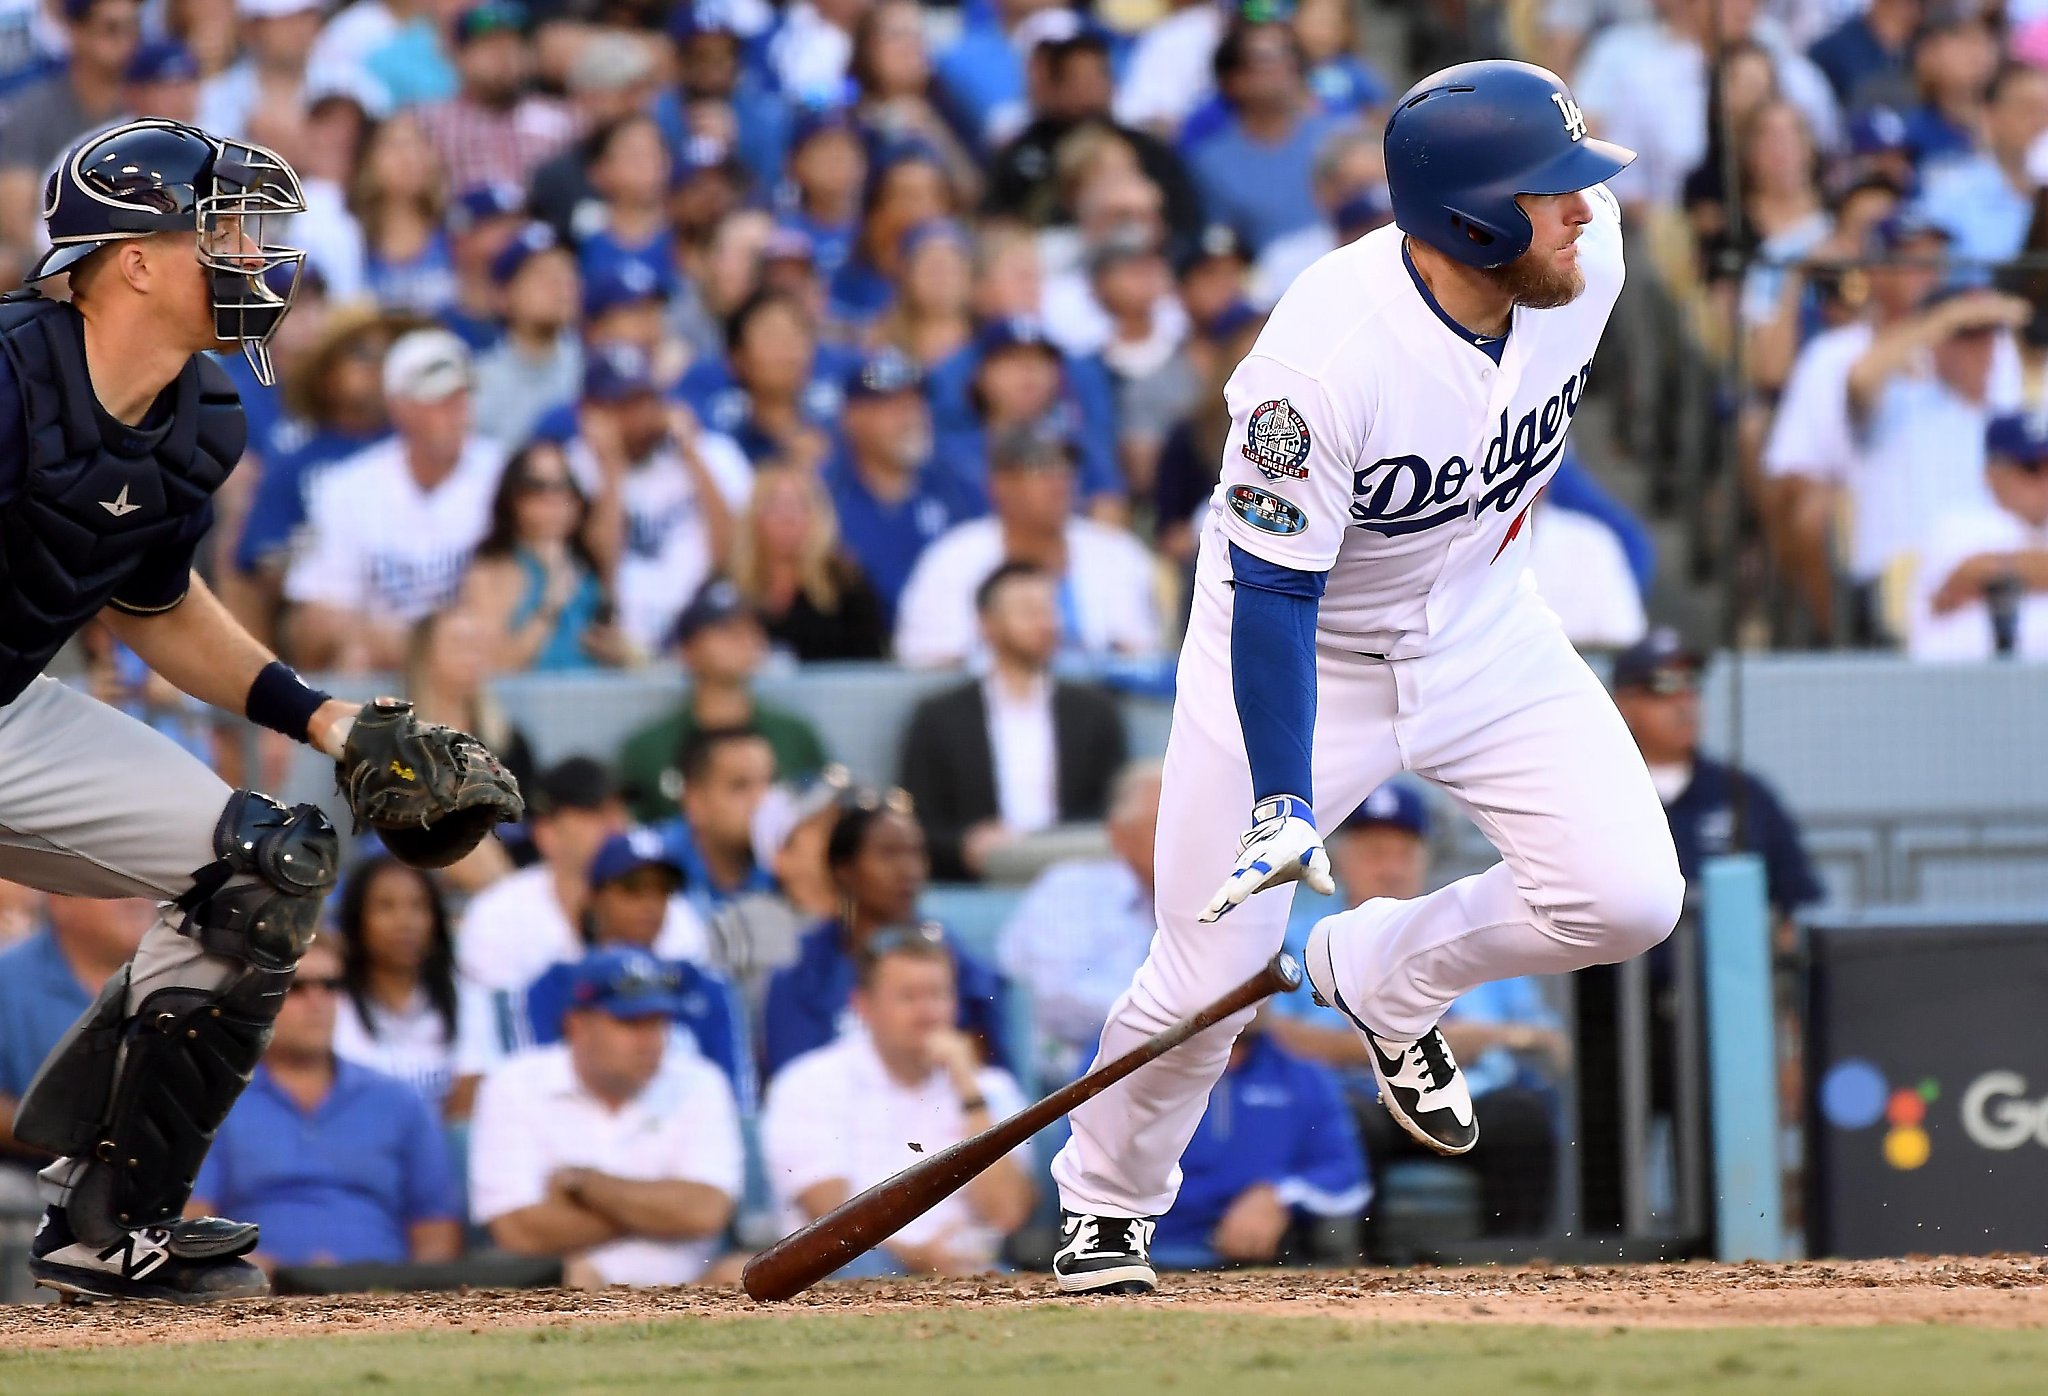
[[1574, 119]]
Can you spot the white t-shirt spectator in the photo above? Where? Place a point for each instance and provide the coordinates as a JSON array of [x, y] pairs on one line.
[[1924, 455], [1583, 575], [533, 1116], [1965, 633], [1812, 435], [837, 1113], [515, 928], [413, 1045], [1106, 597], [379, 545], [667, 547]]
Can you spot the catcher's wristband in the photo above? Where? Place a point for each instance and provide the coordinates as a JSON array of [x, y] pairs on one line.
[[282, 701]]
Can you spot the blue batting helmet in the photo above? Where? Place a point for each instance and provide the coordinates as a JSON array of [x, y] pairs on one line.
[[1463, 142]]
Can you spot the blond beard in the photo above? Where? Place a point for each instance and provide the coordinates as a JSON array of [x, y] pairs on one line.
[[1532, 284]]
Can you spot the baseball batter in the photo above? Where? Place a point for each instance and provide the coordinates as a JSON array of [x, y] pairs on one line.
[[115, 431], [1362, 607]]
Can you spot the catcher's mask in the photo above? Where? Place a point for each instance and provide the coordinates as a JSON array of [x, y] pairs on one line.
[[160, 176]]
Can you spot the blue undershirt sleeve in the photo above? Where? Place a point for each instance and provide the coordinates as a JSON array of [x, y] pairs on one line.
[[1273, 671]]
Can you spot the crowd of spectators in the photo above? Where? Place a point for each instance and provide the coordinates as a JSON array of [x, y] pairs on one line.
[[1841, 198], [696, 339]]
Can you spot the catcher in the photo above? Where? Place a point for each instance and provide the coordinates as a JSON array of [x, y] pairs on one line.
[[115, 431]]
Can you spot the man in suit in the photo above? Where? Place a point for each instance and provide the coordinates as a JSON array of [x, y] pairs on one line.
[[1016, 751]]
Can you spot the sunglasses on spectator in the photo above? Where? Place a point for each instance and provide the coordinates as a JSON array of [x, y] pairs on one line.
[[546, 484], [895, 799], [897, 938], [334, 984]]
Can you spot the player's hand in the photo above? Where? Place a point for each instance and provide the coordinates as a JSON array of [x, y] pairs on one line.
[[1281, 846]]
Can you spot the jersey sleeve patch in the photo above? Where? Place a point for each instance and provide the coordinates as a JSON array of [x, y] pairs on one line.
[[1276, 440], [1267, 512]]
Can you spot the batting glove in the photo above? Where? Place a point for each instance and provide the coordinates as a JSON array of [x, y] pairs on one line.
[[1281, 846]]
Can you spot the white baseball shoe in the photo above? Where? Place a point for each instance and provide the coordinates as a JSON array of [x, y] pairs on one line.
[[1420, 1083], [1104, 1255]]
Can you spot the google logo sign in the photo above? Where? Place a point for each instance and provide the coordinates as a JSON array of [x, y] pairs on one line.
[[1855, 1095]]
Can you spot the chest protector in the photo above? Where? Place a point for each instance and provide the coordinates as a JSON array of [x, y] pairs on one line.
[[85, 517]]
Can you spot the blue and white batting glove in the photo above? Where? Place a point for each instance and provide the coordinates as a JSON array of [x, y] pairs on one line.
[[1281, 846]]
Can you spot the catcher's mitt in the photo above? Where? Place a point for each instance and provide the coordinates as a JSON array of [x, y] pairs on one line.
[[430, 792]]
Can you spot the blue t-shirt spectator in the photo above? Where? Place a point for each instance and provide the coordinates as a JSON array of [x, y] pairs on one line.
[[40, 998], [1264, 190], [262, 406], [981, 85], [423, 283], [679, 842], [1931, 136], [1273, 1119], [761, 122], [341, 1183], [1976, 205], [1849, 55], [710, 390], [961, 443], [886, 538], [809, 1003], [602, 253]]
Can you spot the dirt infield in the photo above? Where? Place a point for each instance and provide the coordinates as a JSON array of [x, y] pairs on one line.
[[1997, 1292]]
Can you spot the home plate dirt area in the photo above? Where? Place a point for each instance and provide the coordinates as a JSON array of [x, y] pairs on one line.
[[1993, 1292]]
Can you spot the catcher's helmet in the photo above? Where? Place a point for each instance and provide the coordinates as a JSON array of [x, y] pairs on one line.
[[157, 176], [1463, 142]]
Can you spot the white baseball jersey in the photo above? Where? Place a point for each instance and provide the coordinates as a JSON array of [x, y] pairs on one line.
[[379, 545], [1370, 441], [668, 547]]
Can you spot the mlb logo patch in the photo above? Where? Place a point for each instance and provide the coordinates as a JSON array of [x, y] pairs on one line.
[[1276, 441]]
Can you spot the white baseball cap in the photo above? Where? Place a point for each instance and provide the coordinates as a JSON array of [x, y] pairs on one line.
[[275, 9], [426, 366]]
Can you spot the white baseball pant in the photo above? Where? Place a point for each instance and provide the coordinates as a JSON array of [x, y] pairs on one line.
[[1526, 740]]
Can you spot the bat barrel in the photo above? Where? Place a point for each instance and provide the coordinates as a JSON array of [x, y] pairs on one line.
[[807, 1255]]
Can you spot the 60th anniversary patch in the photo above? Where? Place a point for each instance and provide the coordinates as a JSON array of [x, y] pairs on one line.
[[1276, 441], [1268, 512]]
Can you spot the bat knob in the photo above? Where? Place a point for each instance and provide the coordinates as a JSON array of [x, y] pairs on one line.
[[1286, 972]]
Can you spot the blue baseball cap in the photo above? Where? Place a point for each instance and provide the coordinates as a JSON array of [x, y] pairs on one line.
[[627, 281], [497, 199], [1661, 662], [164, 60], [687, 21], [491, 17], [624, 854], [616, 371], [1228, 321], [2020, 438], [1362, 212], [1397, 804], [883, 373], [528, 243], [1876, 130], [1907, 222], [701, 153], [1011, 332], [932, 230], [818, 119], [625, 982], [716, 602]]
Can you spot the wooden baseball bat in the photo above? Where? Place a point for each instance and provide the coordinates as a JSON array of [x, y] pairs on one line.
[[802, 1258]]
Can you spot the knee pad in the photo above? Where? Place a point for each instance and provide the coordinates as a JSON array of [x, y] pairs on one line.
[[260, 899]]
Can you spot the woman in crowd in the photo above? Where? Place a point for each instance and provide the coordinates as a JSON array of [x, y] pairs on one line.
[[534, 585], [907, 186], [892, 69], [932, 319], [398, 196], [875, 855], [812, 598], [398, 959], [772, 351], [629, 167]]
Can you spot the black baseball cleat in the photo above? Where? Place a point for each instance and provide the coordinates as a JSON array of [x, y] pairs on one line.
[[1104, 1255], [187, 1262], [1420, 1083]]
